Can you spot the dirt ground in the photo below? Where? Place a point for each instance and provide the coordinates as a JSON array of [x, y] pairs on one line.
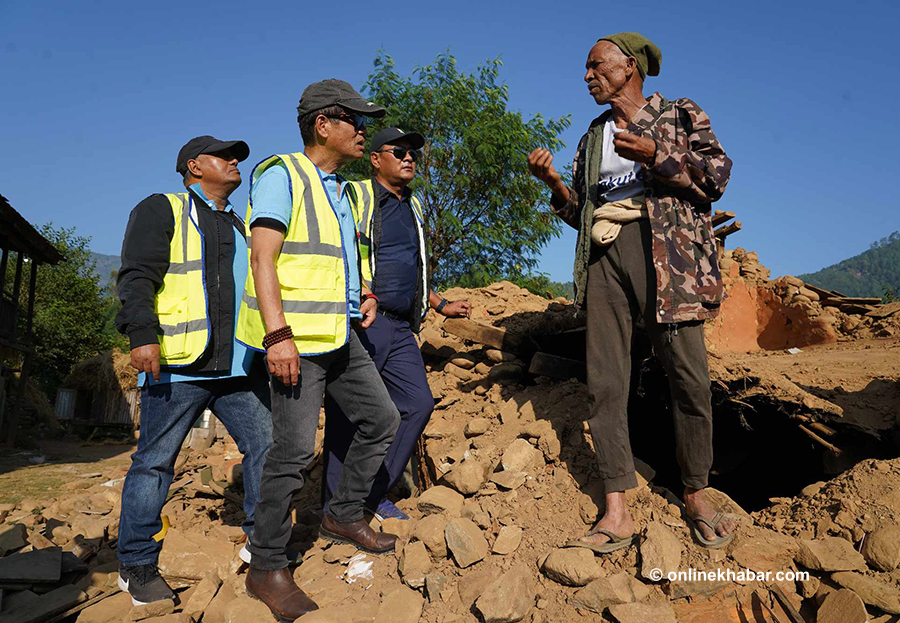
[[515, 478], [860, 378]]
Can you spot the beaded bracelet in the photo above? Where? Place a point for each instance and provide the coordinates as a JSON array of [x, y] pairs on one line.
[[278, 335]]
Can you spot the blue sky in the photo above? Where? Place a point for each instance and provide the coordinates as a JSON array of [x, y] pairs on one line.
[[99, 96]]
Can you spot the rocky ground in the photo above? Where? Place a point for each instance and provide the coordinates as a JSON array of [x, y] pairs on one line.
[[511, 477]]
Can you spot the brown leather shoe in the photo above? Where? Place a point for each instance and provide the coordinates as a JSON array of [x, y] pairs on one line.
[[280, 593], [358, 533]]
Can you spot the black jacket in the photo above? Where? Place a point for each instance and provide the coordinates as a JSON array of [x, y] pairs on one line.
[[381, 195], [145, 260]]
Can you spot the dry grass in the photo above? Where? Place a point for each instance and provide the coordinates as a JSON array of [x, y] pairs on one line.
[[109, 370]]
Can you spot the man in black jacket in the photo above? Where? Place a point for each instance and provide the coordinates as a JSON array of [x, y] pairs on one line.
[[392, 235], [184, 264]]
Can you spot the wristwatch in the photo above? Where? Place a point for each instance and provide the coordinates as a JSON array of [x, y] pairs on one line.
[[441, 305]]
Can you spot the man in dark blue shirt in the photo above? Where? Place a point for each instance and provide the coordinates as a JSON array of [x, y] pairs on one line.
[[394, 267]]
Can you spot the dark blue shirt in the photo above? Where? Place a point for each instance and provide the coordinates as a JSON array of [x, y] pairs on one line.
[[397, 255]]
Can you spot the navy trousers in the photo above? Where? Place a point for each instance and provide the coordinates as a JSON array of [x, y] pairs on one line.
[[394, 349]]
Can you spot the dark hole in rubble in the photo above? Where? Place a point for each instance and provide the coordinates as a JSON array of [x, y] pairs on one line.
[[759, 451]]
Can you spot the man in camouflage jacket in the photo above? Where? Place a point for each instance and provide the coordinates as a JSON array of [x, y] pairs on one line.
[[659, 161]]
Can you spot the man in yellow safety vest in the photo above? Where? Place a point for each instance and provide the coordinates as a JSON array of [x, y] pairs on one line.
[[301, 298], [184, 264]]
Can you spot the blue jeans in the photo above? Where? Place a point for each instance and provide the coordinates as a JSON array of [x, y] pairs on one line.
[[393, 347], [168, 412]]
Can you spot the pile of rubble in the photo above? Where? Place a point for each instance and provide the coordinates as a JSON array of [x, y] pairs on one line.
[[506, 476], [786, 312]]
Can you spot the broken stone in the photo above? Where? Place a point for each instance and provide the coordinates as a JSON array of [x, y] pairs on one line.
[[661, 550], [110, 609], [587, 509], [246, 609], [482, 369], [521, 456], [498, 356], [508, 540], [536, 429], [680, 589], [467, 476], [430, 531], [550, 446], [192, 557], [768, 552], [509, 598], [339, 553], [215, 613], [506, 370], [842, 606], [89, 526], [509, 479], [415, 564], [401, 605], [37, 566], [477, 426], [881, 548], [460, 373], [829, 554], [440, 499], [12, 538], [400, 527], [203, 595], [643, 613], [620, 588], [434, 585], [465, 541], [153, 609], [466, 362], [572, 566], [870, 590], [473, 583]]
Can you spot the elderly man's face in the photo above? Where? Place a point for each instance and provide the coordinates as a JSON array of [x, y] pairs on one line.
[[607, 71], [347, 135]]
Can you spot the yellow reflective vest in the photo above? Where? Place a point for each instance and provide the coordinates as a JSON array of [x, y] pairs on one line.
[[312, 266], [363, 214], [181, 302]]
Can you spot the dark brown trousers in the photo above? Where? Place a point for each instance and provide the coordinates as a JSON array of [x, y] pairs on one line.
[[621, 295]]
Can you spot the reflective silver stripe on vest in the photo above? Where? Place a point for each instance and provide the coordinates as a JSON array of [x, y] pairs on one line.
[[367, 202], [183, 327], [182, 268], [185, 220], [306, 248], [312, 220], [302, 307]]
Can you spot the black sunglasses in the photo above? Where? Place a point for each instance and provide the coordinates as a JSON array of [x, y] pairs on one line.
[[357, 121], [400, 153]]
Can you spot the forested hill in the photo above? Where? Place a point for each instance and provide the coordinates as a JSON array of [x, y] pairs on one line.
[[871, 273], [106, 265]]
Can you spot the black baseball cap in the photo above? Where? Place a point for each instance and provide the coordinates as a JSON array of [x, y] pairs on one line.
[[209, 145], [333, 92], [392, 135]]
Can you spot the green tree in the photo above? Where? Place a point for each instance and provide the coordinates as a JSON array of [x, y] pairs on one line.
[[70, 310], [483, 219]]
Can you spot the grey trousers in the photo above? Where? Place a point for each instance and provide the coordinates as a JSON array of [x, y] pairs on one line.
[[621, 293], [350, 378]]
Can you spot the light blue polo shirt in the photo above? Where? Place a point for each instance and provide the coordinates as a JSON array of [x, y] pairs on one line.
[[271, 198], [241, 356]]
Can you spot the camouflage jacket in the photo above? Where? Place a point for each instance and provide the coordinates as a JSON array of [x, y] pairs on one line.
[[689, 172]]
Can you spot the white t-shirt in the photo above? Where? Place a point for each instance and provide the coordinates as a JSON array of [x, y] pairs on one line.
[[620, 178]]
